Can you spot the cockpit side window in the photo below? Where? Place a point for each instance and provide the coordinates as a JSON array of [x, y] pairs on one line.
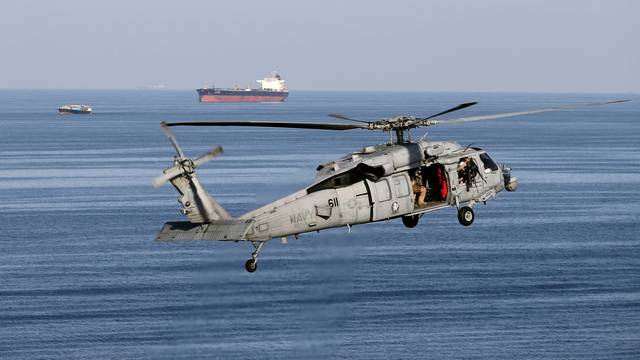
[[488, 162], [357, 174], [341, 180]]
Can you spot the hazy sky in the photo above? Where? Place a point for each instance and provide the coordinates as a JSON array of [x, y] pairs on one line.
[[446, 45]]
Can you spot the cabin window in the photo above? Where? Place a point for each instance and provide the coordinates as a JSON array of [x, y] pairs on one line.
[[383, 191], [402, 186], [489, 164]]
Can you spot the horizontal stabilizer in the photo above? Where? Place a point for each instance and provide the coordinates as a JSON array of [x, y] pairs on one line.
[[216, 230]]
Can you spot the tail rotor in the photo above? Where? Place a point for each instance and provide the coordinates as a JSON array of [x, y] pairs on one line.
[[182, 164], [197, 204]]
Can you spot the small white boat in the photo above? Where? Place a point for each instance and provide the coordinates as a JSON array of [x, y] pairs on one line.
[[75, 109]]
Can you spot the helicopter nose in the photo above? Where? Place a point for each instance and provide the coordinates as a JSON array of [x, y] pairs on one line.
[[510, 182], [512, 185]]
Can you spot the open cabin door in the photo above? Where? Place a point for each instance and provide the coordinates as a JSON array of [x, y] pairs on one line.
[[472, 177], [436, 180]]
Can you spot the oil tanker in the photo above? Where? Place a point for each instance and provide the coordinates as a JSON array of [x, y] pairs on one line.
[[272, 89]]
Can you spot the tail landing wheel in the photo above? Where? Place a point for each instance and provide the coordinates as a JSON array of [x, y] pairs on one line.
[[465, 216], [251, 265]]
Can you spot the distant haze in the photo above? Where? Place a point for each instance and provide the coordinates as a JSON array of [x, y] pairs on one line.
[[470, 45]]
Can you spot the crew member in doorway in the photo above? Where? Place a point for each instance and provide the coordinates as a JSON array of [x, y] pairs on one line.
[[419, 189], [467, 171]]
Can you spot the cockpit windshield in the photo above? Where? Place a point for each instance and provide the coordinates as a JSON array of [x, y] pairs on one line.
[[489, 164]]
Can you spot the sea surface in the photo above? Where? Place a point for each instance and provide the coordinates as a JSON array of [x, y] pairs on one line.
[[551, 271]]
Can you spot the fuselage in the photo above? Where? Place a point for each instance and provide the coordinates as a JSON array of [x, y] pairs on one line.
[[379, 183]]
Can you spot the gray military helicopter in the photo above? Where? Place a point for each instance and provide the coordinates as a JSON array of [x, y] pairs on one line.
[[400, 179]]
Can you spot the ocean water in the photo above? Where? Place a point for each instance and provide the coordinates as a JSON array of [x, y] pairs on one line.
[[551, 271]]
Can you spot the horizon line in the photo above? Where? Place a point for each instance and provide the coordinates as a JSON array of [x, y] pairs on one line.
[[587, 92]]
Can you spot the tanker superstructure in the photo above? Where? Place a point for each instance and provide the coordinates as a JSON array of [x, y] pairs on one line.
[[272, 89]]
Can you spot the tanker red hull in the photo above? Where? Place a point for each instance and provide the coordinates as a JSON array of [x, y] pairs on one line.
[[243, 98]]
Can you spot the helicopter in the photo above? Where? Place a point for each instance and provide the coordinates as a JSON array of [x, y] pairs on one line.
[[399, 179]]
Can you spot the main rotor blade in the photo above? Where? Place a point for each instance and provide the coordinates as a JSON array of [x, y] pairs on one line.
[[292, 125], [172, 138], [518, 113], [459, 107], [344, 117], [208, 156]]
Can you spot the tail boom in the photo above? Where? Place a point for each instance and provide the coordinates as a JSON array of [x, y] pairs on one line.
[[222, 230]]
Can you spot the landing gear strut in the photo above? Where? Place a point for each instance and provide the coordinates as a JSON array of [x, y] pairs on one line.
[[465, 216], [252, 264]]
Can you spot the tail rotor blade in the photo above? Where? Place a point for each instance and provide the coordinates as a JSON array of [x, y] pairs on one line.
[[168, 174], [159, 181], [172, 138], [213, 153]]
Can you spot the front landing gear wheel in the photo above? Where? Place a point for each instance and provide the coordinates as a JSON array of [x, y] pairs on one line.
[[410, 221], [465, 216], [251, 265]]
